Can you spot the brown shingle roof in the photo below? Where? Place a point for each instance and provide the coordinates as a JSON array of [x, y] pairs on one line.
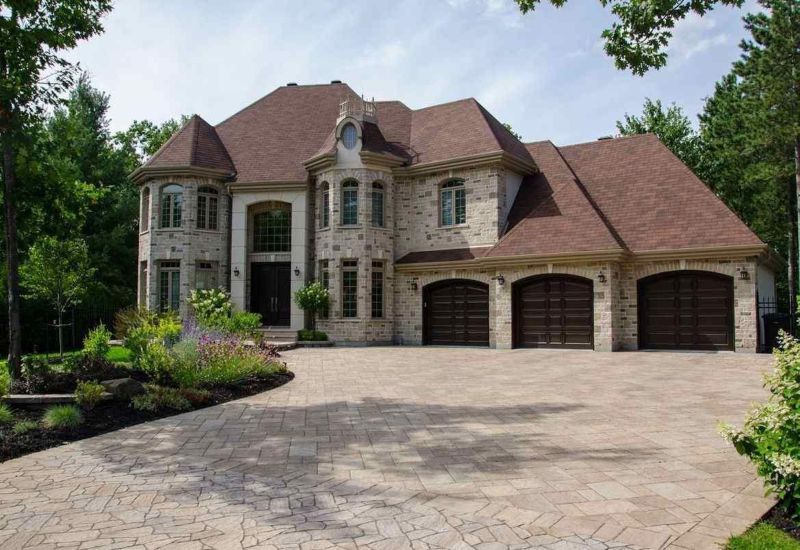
[[449, 255], [196, 144], [552, 213], [651, 199]]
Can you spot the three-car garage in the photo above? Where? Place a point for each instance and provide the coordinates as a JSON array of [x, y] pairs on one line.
[[676, 310]]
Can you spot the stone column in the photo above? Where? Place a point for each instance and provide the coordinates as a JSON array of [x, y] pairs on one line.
[[238, 252]]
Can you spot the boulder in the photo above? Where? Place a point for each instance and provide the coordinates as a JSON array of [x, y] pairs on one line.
[[123, 388]]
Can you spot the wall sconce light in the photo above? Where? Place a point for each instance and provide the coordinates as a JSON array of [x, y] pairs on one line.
[[236, 272], [413, 285], [296, 271], [601, 277], [500, 279], [744, 275]]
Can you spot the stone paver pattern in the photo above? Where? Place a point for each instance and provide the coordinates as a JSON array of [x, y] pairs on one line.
[[416, 448]]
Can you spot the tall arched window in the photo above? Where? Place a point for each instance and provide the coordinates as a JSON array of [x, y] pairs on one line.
[[144, 217], [325, 206], [453, 203], [171, 205], [350, 203], [207, 208], [272, 230], [377, 204]]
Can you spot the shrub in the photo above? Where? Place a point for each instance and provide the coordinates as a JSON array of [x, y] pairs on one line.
[[92, 367], [209, 304], [62, 417], [127, 319], [770, 437], [6, 415], [5, 380], [88, 394], [25, 426], [96, 343], [225, 361], [305, 335], [314, 299], [165, 328], [160, 398], [243, 322], [157, 362]]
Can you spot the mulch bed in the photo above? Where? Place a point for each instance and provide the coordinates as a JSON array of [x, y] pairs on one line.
[[110, 416], [778, 518]]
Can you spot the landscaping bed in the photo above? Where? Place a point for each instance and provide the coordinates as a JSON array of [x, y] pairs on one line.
[[109, 416]]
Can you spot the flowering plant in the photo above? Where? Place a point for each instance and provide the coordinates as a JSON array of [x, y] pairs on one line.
[[770, 437], [209, 303]]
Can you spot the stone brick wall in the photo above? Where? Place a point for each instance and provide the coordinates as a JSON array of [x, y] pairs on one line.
[[362, 242], [186, 244], [744, 296], [417, 210]]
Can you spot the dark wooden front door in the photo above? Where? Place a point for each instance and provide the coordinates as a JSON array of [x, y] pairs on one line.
[[456, 313], [553, 312], [270, 293], [690, 310]]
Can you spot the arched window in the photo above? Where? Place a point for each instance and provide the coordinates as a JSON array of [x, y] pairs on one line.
[[207, 208], [350, 203], [171, 205], [453, 203], [272, 230], [325, 206], [377, 204], [349, 135], [144, 217]]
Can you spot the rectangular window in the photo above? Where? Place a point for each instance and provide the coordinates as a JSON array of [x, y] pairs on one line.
[[145, 215], [325, 281], [453, 205], [349, 288], [201, 211], [326, 208], [377, 290], [169, 285], [349, 203], [212, 213], [143, 284], [207, 202], [377, 207], [205, 275], [171, 206]]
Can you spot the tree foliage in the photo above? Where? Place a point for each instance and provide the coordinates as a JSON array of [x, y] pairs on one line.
[[638, 38]]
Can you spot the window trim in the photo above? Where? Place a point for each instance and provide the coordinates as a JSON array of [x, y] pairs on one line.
[[452, 187], [210, 203], [348, 186], [206, 266], [378, 190], [378, 268], [172, 192]]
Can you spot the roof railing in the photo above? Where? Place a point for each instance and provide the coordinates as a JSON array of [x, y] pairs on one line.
[[358, 108]]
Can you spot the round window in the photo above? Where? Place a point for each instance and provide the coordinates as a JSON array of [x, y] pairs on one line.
[[349, 136]]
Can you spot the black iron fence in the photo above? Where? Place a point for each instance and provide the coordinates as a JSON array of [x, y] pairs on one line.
[[773, 316]]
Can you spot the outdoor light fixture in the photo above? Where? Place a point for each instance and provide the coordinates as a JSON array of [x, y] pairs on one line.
[[601, 277], [500, 279], [296, 271], [744, 275], [236, 272]]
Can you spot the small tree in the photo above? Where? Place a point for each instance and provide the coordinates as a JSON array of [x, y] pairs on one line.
[[313, 299], [58, 272]]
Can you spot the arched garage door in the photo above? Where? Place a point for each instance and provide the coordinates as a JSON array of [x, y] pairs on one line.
[[690, 310], [553, 311], [456, 313]]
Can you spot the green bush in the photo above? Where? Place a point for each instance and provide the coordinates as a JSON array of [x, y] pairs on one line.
[[243, 322], [62, 417], [88, 394], [5, 380], [770, 437], [305, 335], [24, 426], [164, 328], [224, 362], [160, 398], [129, 318], [209, 304], [6, 415], [96, 343], [314, 299], [157, 361]]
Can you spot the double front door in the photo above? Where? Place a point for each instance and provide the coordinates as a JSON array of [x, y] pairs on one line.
[[270, 293]]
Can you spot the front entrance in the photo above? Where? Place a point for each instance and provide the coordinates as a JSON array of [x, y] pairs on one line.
[[270, 290]]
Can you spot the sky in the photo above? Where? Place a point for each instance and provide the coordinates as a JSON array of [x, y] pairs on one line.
[[545, 72]]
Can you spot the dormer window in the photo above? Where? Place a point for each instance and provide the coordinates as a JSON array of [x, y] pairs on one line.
[[349, 135]]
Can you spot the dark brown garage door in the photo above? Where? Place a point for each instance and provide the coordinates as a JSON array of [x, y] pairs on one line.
[[456, 313], [553, 311], [686, 310]]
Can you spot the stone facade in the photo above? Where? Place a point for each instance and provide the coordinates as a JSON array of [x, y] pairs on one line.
[[186, 244]]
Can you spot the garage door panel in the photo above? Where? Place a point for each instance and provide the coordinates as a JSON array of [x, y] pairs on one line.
[[553, 311], [687, 310], [456, 313]]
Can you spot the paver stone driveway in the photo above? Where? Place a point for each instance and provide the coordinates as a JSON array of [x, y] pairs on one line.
[[418, 448]]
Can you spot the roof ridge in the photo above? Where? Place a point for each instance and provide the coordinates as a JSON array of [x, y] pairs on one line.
[[613, 139], [462, 100], [172, 138], [487, 115]]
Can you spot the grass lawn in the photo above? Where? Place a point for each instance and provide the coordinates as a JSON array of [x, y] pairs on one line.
[[763, 536]]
